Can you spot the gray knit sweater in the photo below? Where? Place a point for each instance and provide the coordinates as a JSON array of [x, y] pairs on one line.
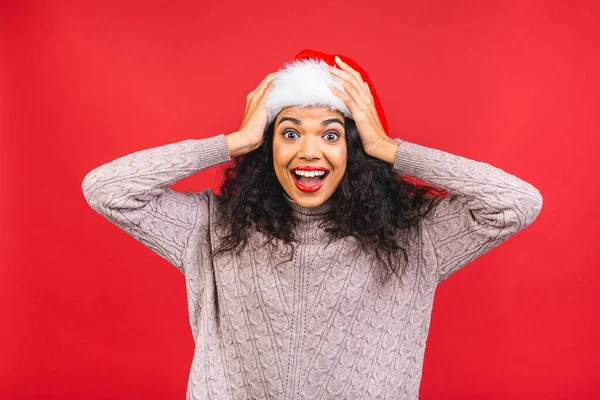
[[323, 325]]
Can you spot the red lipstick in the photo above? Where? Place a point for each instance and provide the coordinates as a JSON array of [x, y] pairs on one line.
[[309, 189], [310, 168]]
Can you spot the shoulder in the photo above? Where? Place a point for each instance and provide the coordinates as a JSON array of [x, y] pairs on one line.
[[206, 204], [205, 196]]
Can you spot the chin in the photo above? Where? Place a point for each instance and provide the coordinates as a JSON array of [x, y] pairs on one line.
[[310, 203]]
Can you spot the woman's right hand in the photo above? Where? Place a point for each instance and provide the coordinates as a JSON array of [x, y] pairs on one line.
[[251, 132], [256, 115]]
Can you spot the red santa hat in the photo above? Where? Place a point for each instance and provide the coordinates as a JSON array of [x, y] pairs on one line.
[[303, 82]]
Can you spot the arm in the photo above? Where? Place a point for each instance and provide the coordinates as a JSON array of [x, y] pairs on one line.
[[486, 205], [132, 192]]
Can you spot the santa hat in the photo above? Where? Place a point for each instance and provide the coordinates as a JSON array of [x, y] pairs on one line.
[[303, 82]]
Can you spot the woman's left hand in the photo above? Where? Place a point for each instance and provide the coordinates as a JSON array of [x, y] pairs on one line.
[[359, 101]]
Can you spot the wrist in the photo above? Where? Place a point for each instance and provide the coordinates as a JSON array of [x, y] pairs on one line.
[[239, 143], [386, 150]]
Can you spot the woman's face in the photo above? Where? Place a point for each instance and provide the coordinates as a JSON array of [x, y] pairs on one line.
[[309, 139]]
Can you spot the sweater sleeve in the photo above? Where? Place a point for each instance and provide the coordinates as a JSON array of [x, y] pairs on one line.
[[132, 192], [485, 207]]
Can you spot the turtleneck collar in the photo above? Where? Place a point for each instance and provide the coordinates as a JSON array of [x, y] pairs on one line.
[[308, 211]]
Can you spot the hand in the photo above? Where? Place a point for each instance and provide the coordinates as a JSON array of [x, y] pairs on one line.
[[256, 115], [359, 101]]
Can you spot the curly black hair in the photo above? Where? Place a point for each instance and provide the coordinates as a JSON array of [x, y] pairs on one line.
[[372, 202]]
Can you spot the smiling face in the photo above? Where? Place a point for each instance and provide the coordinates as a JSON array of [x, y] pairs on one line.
[[311, 141]]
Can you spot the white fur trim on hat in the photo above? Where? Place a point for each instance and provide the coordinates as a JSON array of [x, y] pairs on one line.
[[304, 83]]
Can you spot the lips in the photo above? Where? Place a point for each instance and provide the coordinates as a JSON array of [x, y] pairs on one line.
[[313, 188]]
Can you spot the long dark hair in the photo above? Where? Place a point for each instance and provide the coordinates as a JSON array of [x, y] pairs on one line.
[[372, 202]]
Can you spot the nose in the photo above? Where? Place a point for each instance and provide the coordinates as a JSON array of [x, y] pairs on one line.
[[309, 148]]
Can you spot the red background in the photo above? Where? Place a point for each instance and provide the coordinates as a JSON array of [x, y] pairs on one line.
[[88, 312]]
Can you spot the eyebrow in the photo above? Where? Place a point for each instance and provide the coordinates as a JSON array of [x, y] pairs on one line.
[[298, 122]]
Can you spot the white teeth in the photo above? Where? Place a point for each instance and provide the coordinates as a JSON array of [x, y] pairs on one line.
[[309, 173]]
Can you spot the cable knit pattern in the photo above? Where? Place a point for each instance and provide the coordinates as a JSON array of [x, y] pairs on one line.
[[323, 324]]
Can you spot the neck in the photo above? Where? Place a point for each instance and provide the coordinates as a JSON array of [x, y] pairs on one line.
[[301, 211]]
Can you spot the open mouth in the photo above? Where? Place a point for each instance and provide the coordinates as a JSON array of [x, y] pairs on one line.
[[307, 183]]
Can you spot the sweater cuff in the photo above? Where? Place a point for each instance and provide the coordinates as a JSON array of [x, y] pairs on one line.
[[411, 159], [213, 148]]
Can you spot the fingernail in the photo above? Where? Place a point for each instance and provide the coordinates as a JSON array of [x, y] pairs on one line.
[[337, 59]]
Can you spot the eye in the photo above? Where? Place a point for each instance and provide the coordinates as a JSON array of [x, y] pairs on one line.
[[330, 134], [287, 137]]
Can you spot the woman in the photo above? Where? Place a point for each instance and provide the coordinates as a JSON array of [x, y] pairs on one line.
[[313, 273]]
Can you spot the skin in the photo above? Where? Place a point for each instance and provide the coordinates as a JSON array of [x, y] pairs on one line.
[[309, 143], [309, 147]]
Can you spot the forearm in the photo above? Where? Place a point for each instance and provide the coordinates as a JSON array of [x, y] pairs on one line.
[[132, 192], [494, 196], [239, 144], [132, 180]]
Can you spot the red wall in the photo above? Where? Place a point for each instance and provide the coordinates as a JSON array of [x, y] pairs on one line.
[[88, 312]]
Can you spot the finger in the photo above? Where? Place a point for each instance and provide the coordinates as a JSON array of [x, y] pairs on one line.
[[269, 78], [368, 88], [351, 92], [267, 85], [265, 92], [258, 97], [348, 101], [361, 97], [357, 79], [348, 69], [356, 104], [357, 84], [262, 84], [370, 94], [250, 99]]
